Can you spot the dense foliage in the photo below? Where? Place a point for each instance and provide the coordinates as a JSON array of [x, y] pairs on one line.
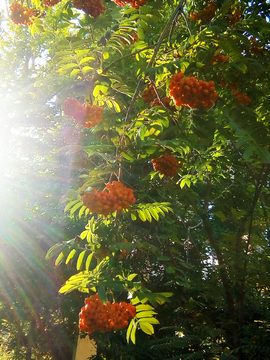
[[158, 112]]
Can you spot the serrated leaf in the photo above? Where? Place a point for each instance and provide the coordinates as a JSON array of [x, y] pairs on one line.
[[54, 250], [86, 69], [68, 66], [81, 212], [148, 313], [88, 261], [141, 215], [147, 215], [147, 328], [75, 208], [133, 334], [86, 59], [74, 72], [80, 260], [143, 307], [154, 213], [129, 329], [59, 259], [92, 225], [70, 204], [70, 255], [150, 320]]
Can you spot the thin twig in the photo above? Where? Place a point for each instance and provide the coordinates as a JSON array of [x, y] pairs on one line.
[[156, 49], [186, 21], [126, 56]]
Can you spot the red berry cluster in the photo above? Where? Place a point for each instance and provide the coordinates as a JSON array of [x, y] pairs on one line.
[[97, 316], [192, 92], [134, 3], [149, 94], [167, 165], [21, 15], [165, 101], [219, 58], [90, 7], [241, 97], [118, 198], [86, 115], [256, 47], [233, 17], [205, 15]]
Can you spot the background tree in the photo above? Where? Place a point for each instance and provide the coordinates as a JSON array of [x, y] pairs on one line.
[[199, 228]]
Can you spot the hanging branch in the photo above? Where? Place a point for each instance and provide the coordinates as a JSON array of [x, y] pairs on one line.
[[156, 49]]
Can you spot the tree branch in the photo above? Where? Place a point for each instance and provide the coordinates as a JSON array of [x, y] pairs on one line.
[[156, 48]]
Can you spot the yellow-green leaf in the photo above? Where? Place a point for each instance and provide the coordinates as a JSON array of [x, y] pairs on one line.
[[147, 328], [70, 255], [59, 259], [80, 259]]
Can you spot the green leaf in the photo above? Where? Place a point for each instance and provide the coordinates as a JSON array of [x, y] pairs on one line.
[[70, 204], [127, 156], [144, 307], [80, 260], [86, 59], [75, 208], [131, 326], [59, 259], [68, 66], [143, 314], [133, 216], [133, 334], [264, 155], [74, 72], [147, 328], [102, 294], [88, 261], [131, 277], [54, 250], [150, 320], [147, 215], [154, 213], [70, 256], [141, 215]]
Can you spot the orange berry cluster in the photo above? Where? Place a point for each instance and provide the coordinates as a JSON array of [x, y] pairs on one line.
[[86, 115], [167, 165], [241, 97], [205, 15], [149, 94], [134, 3], [21, 15], [219, 58], [118, 198], [233, 18], [165, 101], [192, 92], [256, 47], [90, 7], [51, 2], [97, 316]]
